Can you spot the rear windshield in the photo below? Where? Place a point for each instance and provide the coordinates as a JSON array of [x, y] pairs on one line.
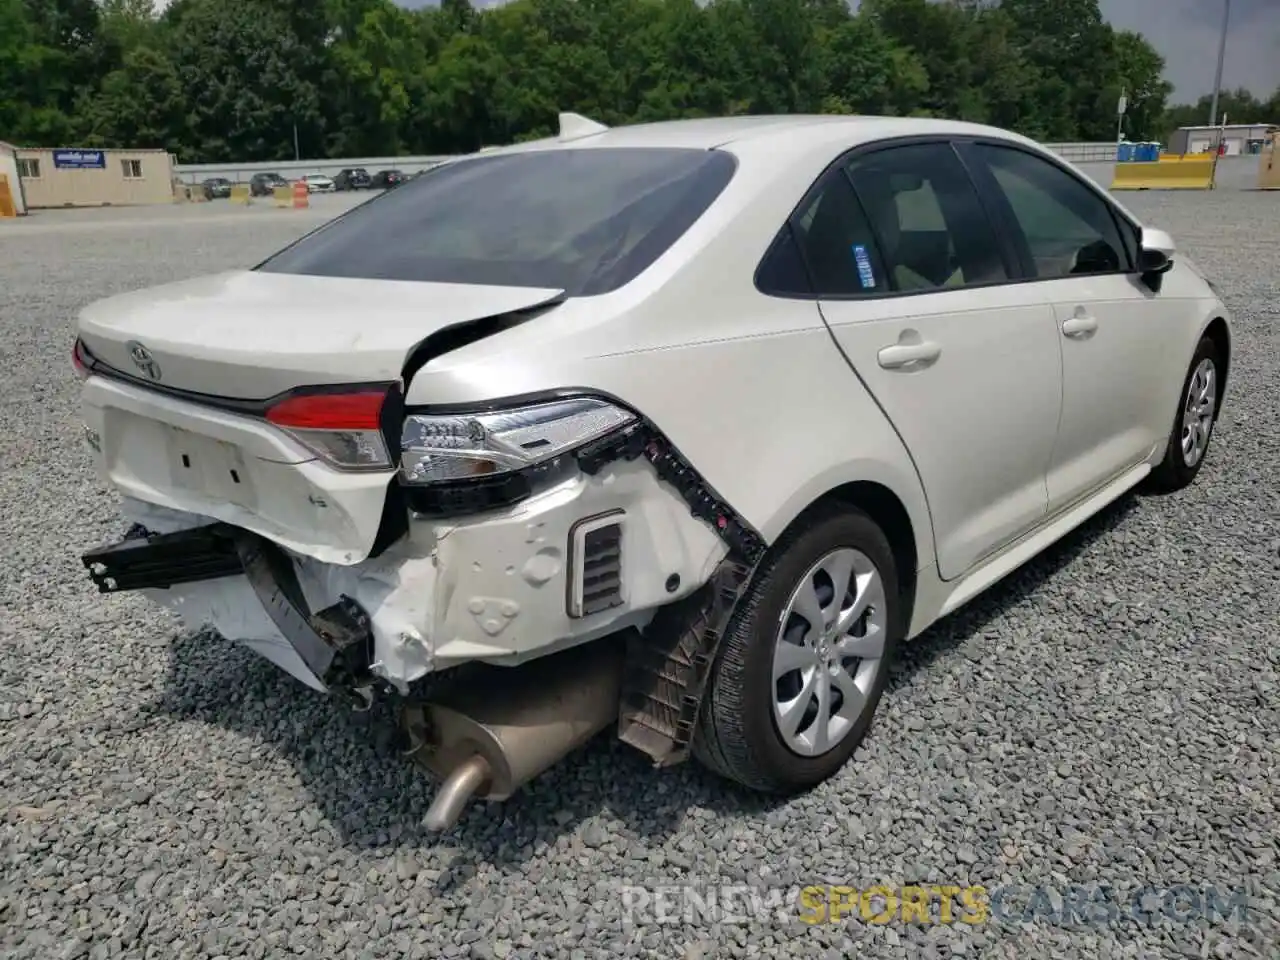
[[585, 221]]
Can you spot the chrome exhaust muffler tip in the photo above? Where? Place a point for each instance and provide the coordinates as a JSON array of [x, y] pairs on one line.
[[487, 740], [467, 778]]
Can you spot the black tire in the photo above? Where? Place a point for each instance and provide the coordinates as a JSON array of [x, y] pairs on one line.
[[737, 736], [1173, 472]]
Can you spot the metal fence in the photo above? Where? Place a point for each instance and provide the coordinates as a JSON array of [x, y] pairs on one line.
[[296, 169], [1084, 152]]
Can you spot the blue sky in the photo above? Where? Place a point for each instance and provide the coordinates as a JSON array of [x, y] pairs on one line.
[[1186, 32]]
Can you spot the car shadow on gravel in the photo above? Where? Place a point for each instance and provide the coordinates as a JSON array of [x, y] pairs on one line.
[[372, 798], [954, 630]]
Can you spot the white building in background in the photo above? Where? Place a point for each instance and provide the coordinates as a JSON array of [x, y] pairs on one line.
[[1244, 138], [94, 178]]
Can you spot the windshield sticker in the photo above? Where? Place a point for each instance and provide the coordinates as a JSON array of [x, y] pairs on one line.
[[865, 275]]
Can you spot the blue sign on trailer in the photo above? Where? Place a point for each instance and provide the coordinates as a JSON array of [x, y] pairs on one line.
[[80, 159]]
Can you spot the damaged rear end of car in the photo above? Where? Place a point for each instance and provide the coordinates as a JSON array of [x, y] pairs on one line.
[[520, 573]]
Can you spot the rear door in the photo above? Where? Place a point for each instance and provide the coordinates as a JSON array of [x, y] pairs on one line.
[[915, 286], [1113, 329]]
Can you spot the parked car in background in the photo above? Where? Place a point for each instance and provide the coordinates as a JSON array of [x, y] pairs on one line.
[[217, 188], [679, 429], [318, 183], [262, 184], [353, 178], [386, 179]]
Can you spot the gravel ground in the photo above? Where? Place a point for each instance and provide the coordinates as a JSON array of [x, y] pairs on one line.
[[1107, 716]]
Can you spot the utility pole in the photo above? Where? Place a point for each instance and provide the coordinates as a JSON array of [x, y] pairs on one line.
[[296, 154], [1222, 55], [1121, 106]]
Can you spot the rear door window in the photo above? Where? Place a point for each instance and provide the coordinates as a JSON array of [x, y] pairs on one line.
[[583, 220], [933, 232]]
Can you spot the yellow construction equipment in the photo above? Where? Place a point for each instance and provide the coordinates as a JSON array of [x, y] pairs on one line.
[[240, 194], [283, 196], [1193, 171], [1269, 162]]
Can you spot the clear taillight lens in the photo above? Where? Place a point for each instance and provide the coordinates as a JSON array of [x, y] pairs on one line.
[[438, 449]]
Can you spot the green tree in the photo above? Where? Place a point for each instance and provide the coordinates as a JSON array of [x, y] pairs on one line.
[[249, 80], [142, 104], [1140, 74], [129, 24], [232, 79]]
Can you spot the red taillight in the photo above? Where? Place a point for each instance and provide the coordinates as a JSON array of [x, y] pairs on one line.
[[78, 361], [342, 427], [360, 410]]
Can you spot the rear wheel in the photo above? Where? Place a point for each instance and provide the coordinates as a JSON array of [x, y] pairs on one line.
[[805, 658], [1193, 422]]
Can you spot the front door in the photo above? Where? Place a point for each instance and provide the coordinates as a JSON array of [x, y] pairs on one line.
[[911, 281], [1109, 323]]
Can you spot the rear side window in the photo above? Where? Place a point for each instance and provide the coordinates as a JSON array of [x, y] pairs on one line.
[[933, 231], [583, 220], [782, 273], [838, 244]]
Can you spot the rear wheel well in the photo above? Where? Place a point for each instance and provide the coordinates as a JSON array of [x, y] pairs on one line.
[[1217, 332], [883, 506]]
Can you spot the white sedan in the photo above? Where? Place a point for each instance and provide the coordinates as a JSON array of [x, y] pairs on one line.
[[680, 429], [318, 183]]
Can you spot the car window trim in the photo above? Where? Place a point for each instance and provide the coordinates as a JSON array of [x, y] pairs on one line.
[[1013, 265], [995, 196]]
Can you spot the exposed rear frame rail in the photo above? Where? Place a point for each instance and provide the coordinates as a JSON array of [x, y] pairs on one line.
[[669, 663]]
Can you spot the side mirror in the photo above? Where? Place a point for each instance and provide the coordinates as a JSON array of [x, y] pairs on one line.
[[1156, 250], [1155, 256]]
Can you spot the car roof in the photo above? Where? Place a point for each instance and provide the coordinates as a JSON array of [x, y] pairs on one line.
[[762, 133]]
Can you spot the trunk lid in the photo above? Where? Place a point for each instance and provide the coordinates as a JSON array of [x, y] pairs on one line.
[[251, 335]]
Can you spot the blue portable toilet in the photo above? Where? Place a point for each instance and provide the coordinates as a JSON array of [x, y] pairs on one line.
[[1125, 152], [1150, 152]]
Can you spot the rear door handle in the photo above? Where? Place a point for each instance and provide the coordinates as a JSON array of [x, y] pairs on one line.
[[1079, 326], [904, 354]]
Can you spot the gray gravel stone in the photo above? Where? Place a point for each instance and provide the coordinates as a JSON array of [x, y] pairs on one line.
[[1109, 715]]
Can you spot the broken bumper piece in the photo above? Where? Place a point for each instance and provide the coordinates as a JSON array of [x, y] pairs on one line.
[[332, 644]]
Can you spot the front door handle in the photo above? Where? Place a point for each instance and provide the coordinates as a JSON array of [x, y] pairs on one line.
[[1081, 325], [904, 354]]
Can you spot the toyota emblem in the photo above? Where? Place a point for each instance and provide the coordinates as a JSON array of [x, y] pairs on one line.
[[143, 360]]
